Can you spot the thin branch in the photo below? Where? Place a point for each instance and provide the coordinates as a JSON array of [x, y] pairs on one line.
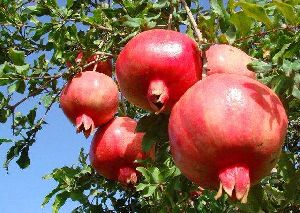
[[170, 17], [192, 19], [260, 34]]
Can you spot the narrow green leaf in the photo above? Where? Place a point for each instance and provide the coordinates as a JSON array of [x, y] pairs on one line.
[[60, 200], [288, 11], [5, 140], [17, 57], [255, 11], [259, 66], [50, 195]]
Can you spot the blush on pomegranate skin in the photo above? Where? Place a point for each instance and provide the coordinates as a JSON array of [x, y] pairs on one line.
[[89, 100], [156, 67], [114, 149], [223, 58], [227, 132]]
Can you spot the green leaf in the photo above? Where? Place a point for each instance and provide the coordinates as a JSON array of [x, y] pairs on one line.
[[242, 22], [296, 92], [150, 190], [230, 34], [133, 22], [24, 160], [50, 195], [70, 3], [288, 11], [59, 201], [22, 70], [4, 114], [31, 116], [149, 140], [156, 175], [259, 66], [255, 11], [145, 122], [141, 186], [145, 173], [5, 140], [18, 86], [17, 57], [279, 54]]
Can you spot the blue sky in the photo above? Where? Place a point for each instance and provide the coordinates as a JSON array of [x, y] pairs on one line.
[[57, 145]]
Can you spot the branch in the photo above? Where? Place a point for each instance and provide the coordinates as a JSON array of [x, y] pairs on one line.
[[192, 19], [260, 34], [170, 17]]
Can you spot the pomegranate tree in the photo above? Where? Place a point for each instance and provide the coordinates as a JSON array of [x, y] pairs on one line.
[[89, 100], [227, 131], [223, 58], [156, 67], [114, 149], [104, 67]]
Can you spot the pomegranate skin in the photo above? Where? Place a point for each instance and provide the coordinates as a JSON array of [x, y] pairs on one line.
[[114, 149], [89, 100], [156, 67], [104, 67], [227, 131], [223, 58]]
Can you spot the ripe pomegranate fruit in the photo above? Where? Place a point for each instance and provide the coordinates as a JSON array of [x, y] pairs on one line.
[[89, 100], [227, 131], [223, 58], [114, 149], [104, 67], [156, 67]]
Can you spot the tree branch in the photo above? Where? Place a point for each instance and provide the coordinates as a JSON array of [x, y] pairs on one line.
[[193, 21], [260, 34]]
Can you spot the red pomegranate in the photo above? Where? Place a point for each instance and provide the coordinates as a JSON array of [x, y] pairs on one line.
[[223, 58], [104, 67], [114, 149], [227, 131], [156, 67], [89, 100]]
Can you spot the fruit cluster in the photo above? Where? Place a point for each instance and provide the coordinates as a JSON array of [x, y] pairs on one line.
[[226, 130]]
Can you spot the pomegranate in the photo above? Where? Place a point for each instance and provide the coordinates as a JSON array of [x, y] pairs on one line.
[[104, 67], [156, 67], [114, 149], [227, 131], [89, 100], [223, 58]]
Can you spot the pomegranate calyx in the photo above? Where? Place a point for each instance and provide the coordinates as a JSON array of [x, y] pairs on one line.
[[158, 95], [85, 124], [127, 176], [235, 179]]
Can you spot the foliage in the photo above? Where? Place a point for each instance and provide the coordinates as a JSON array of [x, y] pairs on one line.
[[37, 38]]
